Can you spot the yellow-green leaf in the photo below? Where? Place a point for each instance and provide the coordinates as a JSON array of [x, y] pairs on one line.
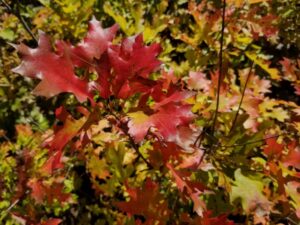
[[273, 72]]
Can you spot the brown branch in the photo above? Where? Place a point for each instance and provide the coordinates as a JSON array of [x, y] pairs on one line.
[[136, 148], [20, 17], [242, 98], [220, 67], [249, 142], [131, 140]]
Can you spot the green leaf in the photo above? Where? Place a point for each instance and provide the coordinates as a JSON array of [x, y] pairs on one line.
[[119, 19], [273, 72], [7, 34], [249, 191]]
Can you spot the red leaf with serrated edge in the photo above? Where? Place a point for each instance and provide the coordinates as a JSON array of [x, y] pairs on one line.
[[273, 148], [52, 221], [293, 157], [22, 173], [37, 190], [103, 70], [41, 191], [64, 133], [168, 150], [95, 43], [146, 201], [192, 190], [186, 137], [122, 69], [175, 97], [165, 121], [53, 162], [27, 220], [289, 69], [198, 81], [297, 89], [168, 78], [140, 59], [215, 76], [132, 59], [55, 71], [193, 160], [22, 219], [292, 188]]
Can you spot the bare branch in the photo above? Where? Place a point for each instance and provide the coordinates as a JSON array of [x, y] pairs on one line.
[[242, 98], [220, 67], [20, 17]]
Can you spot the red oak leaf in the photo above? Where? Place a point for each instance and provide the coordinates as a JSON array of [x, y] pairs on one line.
[[56, 191], [292, 188], [130, 59], [55, 71], [103, 71], [297, 89], [198, 81], [289, 68], [53, 162], [192, 160], [193, 190], [95, 43], [186, 137], [146, 201], [27, 220], [167, 150], [69, 129], [22, 173], [165, 121], [215, 76], [41, 191], [168, 78], [255, 86], [273, 148], [140, 59], [293, 157], [22, 219], [37, 190], [175, 97], [251, 105], [52, 221]]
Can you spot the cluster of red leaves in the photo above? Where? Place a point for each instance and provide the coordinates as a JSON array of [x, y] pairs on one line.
[[34, 180], [162, 114], [123, 71]]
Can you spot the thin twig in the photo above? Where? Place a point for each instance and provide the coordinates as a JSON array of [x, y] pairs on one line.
[[20, 17], [24, 23], [12, 205], [199, 138], [6, 5], [131, 140], [242, 98], [220, 67], [5, 137], [249, 142], [136, 148]]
